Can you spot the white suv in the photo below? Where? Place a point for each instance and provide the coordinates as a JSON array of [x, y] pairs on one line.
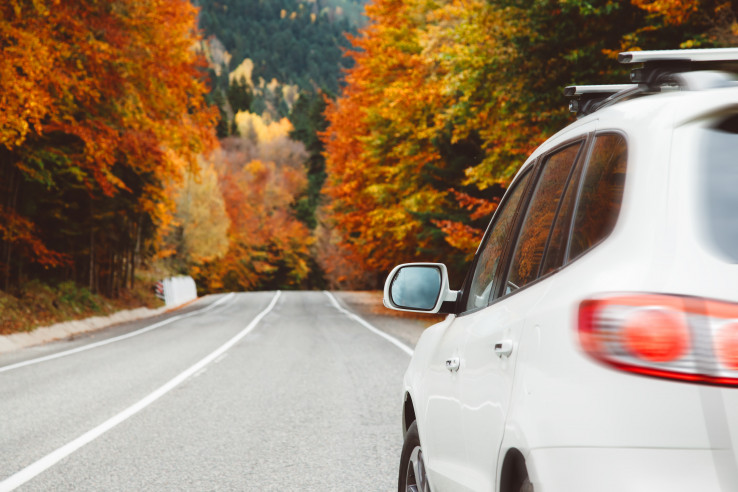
[[594, 344]]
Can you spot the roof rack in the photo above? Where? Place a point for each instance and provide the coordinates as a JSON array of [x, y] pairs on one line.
[[582, 98], [693, 56], [660, 70]]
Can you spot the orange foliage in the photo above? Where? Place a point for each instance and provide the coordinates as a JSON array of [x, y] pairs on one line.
[[479, 208], [268, 247], [107, 75], [460, 93], [379, 141], [101, 96], [461, 236]]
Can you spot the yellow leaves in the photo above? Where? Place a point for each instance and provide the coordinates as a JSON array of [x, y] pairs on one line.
[[243, 71], [259, 130], [256, 168], [202, 215]]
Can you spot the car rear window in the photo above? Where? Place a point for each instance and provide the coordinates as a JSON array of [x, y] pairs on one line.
[[600, 195], [719, 182]]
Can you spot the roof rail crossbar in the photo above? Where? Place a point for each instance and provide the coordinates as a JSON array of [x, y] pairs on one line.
[[691, 56], [585, 99], [659, 66]]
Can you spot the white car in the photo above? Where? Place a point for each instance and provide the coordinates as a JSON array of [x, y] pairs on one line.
[[594, 344]]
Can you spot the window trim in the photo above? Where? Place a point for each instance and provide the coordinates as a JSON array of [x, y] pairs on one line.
[[464, 297], [584, 143], [583, 153]]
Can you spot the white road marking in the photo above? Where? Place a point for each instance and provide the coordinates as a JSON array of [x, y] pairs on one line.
[[54, 457], [29, 362], [369, 326]]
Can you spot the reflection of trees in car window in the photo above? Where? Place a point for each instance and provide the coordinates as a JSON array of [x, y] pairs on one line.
[[556, 248], [601, 193], [539, 217], [482, 285]]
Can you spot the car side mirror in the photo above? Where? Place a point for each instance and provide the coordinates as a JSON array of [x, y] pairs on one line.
[[418, 287]]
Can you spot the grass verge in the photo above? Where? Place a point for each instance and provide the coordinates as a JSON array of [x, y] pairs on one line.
[[37, 304]]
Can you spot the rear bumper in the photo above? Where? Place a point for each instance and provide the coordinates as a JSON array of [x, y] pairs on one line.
[[632, 470]]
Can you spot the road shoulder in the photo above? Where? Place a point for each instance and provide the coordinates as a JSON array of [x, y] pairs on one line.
[[407, 327]]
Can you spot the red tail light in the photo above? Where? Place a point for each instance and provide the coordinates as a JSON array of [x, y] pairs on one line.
[[674, 337], [726, 344]]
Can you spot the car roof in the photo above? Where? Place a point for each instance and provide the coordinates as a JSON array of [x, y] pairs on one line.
[[671, 109], [668, 89]]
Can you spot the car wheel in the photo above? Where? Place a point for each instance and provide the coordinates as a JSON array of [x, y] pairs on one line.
[[412, 468]]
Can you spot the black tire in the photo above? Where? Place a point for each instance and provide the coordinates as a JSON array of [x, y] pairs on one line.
[[526, 486], [412, 477], [515, 474]]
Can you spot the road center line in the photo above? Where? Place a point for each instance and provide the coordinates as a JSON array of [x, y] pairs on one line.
[[29, 362], [54, 457], [369, 326]]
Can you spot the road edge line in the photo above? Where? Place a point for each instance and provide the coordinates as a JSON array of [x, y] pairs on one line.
[[107, 341], [38, 467], [368, 325]]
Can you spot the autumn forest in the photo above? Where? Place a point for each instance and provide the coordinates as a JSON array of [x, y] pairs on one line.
[[288, 144]]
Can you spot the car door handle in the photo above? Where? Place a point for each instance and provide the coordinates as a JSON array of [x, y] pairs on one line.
[[453, 364], [504, 348]]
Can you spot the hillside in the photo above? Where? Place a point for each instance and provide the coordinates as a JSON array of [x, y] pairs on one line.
[[294, 41]]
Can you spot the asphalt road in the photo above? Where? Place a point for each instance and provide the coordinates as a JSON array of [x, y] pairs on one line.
[[250, 391]]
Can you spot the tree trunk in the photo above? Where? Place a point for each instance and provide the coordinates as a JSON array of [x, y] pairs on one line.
[[92, 247], [14, 184], [9, 248], [136, 251], [124, 262]]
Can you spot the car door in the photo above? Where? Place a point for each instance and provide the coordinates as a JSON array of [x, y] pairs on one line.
[[443, 434], [441, 427], [492, 334]]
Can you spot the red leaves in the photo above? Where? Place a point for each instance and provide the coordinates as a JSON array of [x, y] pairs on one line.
[[97, 71], [479, 207], [22, 233]]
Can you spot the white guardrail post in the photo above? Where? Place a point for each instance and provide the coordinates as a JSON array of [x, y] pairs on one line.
[[178, 290]]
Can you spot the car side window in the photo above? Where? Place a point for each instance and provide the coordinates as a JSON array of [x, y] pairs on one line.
[[483, 281], [539, 217], [601, 193], [556, 249]]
